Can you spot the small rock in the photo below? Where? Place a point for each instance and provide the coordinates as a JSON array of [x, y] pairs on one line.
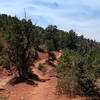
[[2, 88], [22, 98]]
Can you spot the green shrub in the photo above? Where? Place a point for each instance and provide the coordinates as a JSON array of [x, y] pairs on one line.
[[52, 56], [76, 75], [42, 68], [67, 86], [96, 65], [1, 49], [5, 60], [3, 98]]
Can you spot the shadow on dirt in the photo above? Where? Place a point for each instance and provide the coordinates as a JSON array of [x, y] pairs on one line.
[[31, 80], [51, 64]]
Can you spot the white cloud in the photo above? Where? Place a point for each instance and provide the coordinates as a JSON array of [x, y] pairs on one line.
[[81, 15]]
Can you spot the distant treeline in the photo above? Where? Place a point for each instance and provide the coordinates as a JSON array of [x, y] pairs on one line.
[[50, 37]]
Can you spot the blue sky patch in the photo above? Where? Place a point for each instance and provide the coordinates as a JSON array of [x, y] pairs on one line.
[[81, 15]]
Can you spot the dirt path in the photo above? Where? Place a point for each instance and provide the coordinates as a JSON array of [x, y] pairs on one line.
[[40, 62], [47, 90], [4, 81], [43, 91]]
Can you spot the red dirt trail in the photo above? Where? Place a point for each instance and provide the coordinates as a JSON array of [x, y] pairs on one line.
[[43, 91]]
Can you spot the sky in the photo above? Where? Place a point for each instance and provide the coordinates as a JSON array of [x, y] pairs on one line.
[[83, 16]]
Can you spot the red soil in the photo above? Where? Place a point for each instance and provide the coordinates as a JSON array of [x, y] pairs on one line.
[[43, 91]]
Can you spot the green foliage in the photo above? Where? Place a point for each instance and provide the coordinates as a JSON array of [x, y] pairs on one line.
[[96, 64], [6, 61], [3, 98], [67, 86], [1, 43], [42, 68], [76, 73], [52, 56], [49, 45], [72, 40], [53, 38], [19, 45]]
